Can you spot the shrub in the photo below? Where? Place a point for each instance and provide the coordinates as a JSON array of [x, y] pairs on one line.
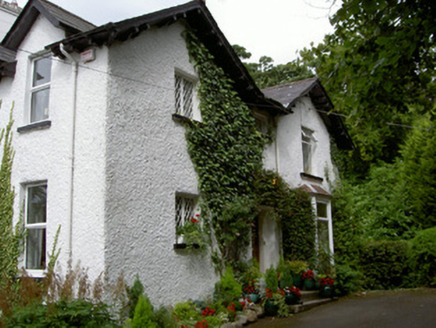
[[228, 290], [422, 257], [163, 318], [384, 264], [76, 313], [271, 279], [347, 280], [134, 293], [143, 316], [185, 311]]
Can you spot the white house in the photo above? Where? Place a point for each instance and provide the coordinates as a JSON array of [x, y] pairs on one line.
[[99, 153]]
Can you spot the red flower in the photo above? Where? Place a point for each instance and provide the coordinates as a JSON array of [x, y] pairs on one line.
[[208, 311], [308, 275], [268, 293], [231, 307], [197, 215], [194, 220]]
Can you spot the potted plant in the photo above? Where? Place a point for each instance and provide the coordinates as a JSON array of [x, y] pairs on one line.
[[297, 268], [326, 287], [191, 235], [251, 292], [293, 295], [309, 280]]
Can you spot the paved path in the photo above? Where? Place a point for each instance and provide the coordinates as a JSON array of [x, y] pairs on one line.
[[382, 309]]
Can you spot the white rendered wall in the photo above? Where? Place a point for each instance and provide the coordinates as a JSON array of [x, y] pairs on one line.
[[147, 163], [41, 155], [290, 154], [46, 155]]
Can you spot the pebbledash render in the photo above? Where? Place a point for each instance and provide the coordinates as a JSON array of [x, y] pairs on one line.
[[101, 152]]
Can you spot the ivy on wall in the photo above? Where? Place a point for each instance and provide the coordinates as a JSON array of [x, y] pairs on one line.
[[227, 149]]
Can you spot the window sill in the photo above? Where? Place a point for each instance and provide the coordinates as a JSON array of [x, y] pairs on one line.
[[184, 119], [310, 177], [37, 274], [185, 246], [34, 126]]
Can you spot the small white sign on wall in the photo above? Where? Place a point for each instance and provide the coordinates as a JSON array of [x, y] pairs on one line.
[[87, 56]]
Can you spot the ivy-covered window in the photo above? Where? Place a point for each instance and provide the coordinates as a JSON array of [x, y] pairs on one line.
[[35, 224], [308, 145], [184, 92]]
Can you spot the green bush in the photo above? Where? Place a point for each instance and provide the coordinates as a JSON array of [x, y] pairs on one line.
[[228, 290], [347, 280], [76, 313], [384, 264], [271, 280], [143, 316], [163, 318], [422, 257], [134, 293], [184, 311]]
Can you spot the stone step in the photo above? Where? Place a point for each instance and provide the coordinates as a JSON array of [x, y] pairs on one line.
[[307, 305], [309, 295]]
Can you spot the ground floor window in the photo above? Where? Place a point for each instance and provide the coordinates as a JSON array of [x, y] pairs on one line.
[[324, 230], [186, 209], [36, 226]]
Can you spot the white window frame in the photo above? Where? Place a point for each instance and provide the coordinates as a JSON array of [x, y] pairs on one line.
[[185, 89], [38, 88], [182, 213], [31, 226], [308, 139], [328, 219]]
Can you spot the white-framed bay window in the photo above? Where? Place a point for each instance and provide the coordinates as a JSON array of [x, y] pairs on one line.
[[324, 227], [40, 88], [35, 256]]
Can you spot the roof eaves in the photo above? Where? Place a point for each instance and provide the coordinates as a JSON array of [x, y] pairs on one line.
[[198, 17]]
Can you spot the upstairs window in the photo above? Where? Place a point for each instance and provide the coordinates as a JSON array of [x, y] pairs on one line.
[[184, 92], [308, 144], [40, 89], [35, 224]]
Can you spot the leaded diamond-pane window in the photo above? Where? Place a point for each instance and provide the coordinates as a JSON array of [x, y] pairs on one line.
[[185, 209], [184, 91]]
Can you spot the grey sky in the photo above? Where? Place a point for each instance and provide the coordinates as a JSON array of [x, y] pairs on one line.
[[275, 28]]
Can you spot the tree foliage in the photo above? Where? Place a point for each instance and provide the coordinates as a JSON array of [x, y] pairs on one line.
[[419, 173], [378, 63], [266, 74]]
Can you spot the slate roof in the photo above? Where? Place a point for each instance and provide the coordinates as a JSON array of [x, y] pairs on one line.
[[288, 94], [198, 17]]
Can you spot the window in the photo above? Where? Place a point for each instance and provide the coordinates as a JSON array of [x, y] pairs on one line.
[[40, 89], [323, 225], [185, 208], [36, 222], [184, 92], [308, 143]]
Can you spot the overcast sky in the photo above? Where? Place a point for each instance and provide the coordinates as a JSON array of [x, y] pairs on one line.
[[275, 28]]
